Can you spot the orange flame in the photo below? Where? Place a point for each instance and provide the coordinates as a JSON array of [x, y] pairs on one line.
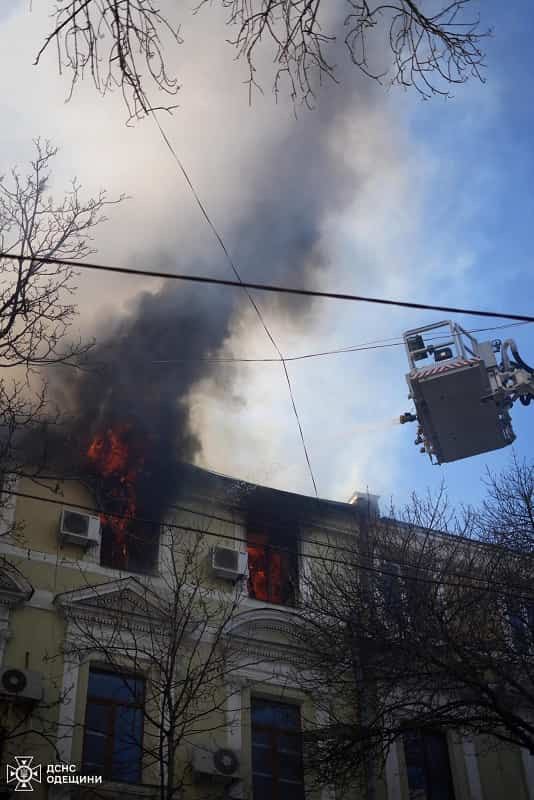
[[112, 458], [268, 570]]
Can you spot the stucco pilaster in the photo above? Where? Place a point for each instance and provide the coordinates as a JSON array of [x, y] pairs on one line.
[[471, 768]]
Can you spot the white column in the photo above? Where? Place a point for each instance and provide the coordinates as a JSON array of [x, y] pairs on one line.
[[471, 768], [9, 503], [165, 557], [393, 773], [528, 767], [66, 719], [234, 735], [304, 569], [5, 633], [323, 718], [67, 708], [233, 706]]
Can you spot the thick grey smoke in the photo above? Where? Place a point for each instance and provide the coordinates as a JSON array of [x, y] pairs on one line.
[[298, 183]]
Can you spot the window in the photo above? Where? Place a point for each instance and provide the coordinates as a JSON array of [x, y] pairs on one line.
[[114, 726], [521, 620], [389, 595], [404, 594], [390, 587], [277, 771], [134, 549], [428, 766], [272, 567]]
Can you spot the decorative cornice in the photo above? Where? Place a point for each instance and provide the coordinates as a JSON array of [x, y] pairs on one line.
[[249, 623], [15, 588], [107, 603], [244, 635], [111, 620], [268, 653]]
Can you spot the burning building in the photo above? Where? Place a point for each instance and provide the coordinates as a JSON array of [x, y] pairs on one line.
[[108, 582], [124, 462], [135, 391], [86, 630]]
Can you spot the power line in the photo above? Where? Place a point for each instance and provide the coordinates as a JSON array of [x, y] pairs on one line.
[[377, 344], [342, 549], [238, 276], [267, 287], [269, 520], [281, 548], [239, 360]]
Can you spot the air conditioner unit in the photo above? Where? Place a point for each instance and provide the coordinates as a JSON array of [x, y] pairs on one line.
[[219, 764], [228, 563], [21, 684], [77, 527]]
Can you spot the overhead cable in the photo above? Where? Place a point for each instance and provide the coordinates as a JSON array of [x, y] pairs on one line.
[[312, 556], [268, 287], [377, 344], [235, 270]]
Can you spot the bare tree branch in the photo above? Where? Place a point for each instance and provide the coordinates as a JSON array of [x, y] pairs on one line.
[[36, 309], [121, 43], [442, 630], [175, 638]]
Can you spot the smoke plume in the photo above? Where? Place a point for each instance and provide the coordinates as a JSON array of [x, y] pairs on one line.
[[299, 182]]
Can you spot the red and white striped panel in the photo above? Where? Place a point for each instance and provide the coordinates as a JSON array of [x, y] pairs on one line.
[[440, 368]]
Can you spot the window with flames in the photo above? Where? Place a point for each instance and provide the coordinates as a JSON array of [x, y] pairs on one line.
[[272, 567], [135, 551]]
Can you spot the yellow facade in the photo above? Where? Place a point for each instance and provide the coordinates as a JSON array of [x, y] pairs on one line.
[[50, 592]]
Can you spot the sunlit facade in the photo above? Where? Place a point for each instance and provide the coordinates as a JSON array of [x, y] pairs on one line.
[[97, 717]]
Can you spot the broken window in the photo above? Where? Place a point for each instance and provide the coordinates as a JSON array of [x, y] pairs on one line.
[[136, 550], [272, 567]]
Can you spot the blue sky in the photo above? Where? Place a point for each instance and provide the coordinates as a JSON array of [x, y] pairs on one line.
[[442, 212], [483, 139]]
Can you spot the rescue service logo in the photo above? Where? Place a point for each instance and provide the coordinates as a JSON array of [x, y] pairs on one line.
[[23, 774]]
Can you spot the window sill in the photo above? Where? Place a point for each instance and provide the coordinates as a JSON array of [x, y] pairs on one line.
[[149, 573], [253, 603]]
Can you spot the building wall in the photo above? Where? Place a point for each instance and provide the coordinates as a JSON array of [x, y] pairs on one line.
[[501, 771], [38, 629]]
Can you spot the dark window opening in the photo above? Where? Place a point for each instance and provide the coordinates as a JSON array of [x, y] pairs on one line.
[[277, 769], [113, 731], [134, 550], [390, 596], [404, 596], [428, 765], [390, 587], [272, 567], [521, 620]]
